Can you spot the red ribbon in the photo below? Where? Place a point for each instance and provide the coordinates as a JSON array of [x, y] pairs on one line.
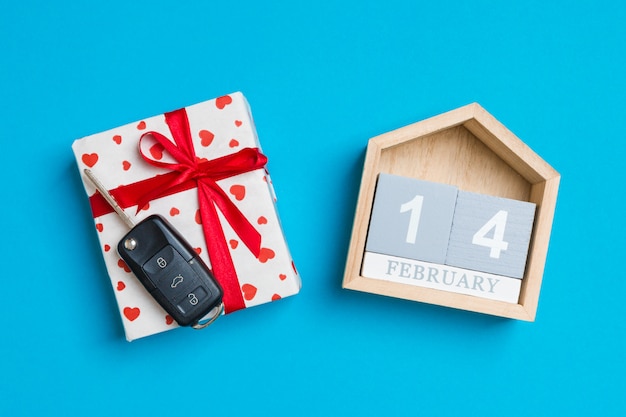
[[189, 172]]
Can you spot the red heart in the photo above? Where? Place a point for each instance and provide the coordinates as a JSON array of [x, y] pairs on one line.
[[233, 243], [131, 313], [174, 211], [141, 125], [90, 159], [123, 265], [169, 319], [276, 297], [99, 227], [107, 248], [233, 143], [198, 217], [206, 137], [239, 191], [282, 277], [117, 139], [261, 220], [198, 250], [223, 101], [146, 207], [120, 285], [237, 123], [126, 165], [265, 254], [249, 291], [156, 151]]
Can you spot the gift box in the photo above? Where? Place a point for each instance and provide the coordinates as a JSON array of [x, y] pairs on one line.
[[201, 168]]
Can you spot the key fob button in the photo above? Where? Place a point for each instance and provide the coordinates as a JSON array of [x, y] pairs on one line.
[[176, 286], [160, 261], [192, 299], [177, 283]]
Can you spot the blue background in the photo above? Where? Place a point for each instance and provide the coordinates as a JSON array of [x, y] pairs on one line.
[[322, 77]]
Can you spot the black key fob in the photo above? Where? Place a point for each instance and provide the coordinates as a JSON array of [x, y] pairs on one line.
[[170, 270]]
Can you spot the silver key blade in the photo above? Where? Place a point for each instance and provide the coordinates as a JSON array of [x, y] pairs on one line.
[[109, 198]]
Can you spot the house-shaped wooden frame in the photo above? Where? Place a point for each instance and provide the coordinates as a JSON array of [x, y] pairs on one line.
[[469, 148]]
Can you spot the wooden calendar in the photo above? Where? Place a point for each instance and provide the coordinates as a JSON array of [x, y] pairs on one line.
[[456, 211]]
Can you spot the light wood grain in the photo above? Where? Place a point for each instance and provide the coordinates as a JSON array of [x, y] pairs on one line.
[[469, 148]]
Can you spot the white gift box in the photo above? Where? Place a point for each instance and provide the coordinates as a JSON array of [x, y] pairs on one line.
[[218, 128]]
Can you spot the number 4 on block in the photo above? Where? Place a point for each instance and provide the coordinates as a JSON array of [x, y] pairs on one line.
[[490, 234]]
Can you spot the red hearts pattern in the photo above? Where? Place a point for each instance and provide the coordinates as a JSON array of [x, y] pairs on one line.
[[107, 248], [156, 151], [141, 125], [126, 165], [120, 285], [276, 297], [174, 212], [131, 313], [117, 139], [233, 243], [282, 277], [249, 291], [223, 101], [198, 250], [123, 265], [233, 143], [238, 191], [89, 159], [206, 137], [238, 123], [198, 217], [265, 254], [99, 227], [261, 220], [169, 319]]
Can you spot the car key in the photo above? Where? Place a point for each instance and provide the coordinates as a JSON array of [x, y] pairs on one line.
[[167, 266]]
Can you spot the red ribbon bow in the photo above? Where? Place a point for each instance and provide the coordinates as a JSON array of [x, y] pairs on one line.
[[188, 172]]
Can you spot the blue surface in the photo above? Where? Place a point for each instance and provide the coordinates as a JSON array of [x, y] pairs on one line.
[[322, 78]]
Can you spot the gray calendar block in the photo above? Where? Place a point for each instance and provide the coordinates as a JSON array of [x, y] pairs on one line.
[[411, 218], [490, 234]]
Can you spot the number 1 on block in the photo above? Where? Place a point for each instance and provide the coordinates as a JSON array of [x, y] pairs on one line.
[[415, 207], [411, 218]]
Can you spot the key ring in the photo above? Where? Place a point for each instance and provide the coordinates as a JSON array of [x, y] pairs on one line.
[[200, 325]]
